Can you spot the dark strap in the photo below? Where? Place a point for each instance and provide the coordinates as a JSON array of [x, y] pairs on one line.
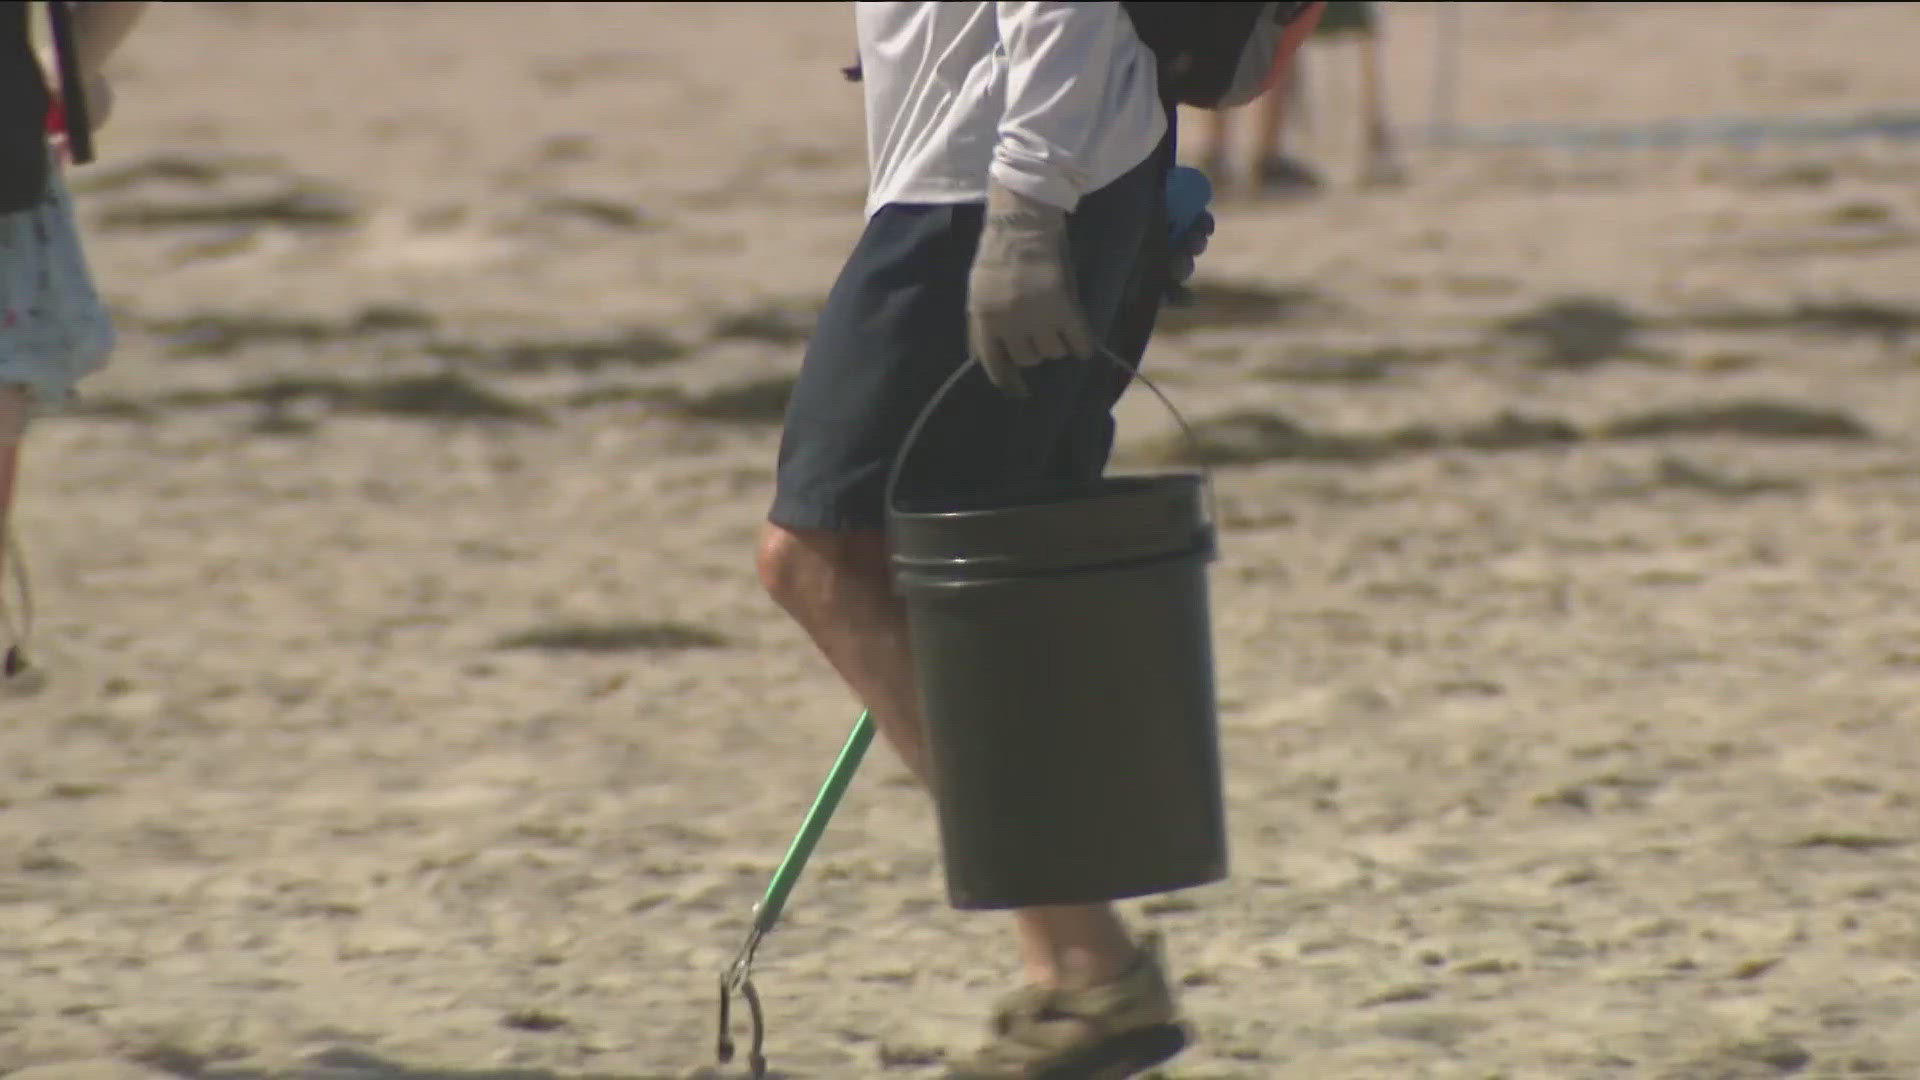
[[73, 94]]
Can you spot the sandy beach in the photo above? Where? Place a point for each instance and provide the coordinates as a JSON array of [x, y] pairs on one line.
[[412, 710]]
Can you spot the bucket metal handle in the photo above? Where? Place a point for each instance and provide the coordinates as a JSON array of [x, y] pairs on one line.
[[1186, 429]]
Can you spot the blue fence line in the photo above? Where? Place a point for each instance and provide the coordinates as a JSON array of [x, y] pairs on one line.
[[1899, 123]]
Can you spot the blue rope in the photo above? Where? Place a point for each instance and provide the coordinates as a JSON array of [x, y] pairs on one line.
[[1879, 123]]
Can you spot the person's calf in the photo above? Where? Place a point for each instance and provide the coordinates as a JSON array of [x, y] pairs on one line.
[[16, 404]]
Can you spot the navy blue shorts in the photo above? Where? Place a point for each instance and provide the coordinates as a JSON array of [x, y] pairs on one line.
[[894, 329]]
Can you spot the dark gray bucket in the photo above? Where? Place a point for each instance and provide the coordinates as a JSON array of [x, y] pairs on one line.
[[1063, 649]]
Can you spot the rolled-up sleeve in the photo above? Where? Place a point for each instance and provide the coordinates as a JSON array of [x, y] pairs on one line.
[[1059, 61]]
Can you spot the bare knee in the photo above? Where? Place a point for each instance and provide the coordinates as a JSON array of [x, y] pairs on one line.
[[811, 573], [779, 561], [16, 404]]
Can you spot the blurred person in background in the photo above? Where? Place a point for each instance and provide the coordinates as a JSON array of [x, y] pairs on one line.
[[1274, 170], [54, 331]]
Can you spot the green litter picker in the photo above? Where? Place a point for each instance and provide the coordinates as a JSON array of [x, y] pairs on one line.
[[738, 977]]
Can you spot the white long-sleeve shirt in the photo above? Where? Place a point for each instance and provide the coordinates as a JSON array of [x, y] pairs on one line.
[[1053, 99]]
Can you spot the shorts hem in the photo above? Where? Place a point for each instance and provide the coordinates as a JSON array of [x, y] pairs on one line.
[[796, 516]]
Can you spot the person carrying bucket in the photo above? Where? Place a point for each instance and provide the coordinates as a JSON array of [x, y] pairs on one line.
[[1019, 154], [54, 331]]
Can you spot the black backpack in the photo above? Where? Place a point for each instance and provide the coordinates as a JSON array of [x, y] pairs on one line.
[[1213, 55]]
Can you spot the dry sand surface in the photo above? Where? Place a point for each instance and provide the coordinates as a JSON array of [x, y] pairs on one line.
[[412, 704]]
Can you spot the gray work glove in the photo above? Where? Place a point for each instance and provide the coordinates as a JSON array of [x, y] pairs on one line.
[[1022, 306]]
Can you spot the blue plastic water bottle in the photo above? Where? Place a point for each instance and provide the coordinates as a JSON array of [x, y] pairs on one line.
[[1188, 193]]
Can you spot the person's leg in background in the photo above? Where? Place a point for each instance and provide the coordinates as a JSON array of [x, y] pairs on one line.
[[1381, 164], [54, 330], [16, 402], [1216, 142], [55, 333], [1274, 169], [1359, 21], [14, 406]]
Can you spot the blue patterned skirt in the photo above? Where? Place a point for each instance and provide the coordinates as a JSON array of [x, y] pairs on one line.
[[54, 330]]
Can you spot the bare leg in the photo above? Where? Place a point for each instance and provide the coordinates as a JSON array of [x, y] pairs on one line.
[[1214, 144], [1270, 116], [1273, 169], [14, 403], [1382, 166], [837, 586], [14, 407]]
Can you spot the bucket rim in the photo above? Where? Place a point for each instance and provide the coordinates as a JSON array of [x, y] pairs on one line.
[[1098, 489], [1107, 522], [1101, 351]]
